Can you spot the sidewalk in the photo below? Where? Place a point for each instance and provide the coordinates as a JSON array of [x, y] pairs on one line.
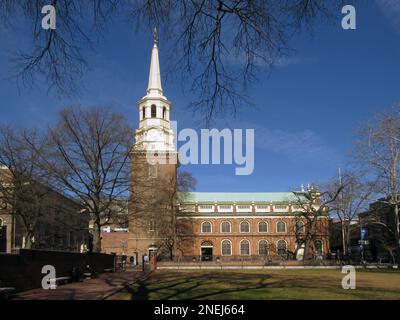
[[94, 289]]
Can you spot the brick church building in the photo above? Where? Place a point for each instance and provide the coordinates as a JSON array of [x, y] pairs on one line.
[[199, 225]]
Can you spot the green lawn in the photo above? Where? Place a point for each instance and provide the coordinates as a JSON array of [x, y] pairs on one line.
[[263, 284]]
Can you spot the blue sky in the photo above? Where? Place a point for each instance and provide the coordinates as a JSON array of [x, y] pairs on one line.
[[304, 110]]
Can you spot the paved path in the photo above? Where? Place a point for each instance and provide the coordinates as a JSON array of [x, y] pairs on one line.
[[94, 289]]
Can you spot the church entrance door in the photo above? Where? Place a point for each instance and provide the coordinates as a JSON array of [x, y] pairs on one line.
[[206, 251]]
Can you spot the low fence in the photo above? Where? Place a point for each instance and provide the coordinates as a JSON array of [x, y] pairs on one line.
[[252, 259], [23, 270], [242, 262]]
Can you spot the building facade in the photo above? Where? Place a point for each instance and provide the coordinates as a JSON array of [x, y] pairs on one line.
[[203, 226], [62, 225], [380, 227], [254, 225]]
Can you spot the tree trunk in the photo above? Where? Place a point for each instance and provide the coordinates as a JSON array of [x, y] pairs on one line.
[[348, 242], [96, 237], [396, 231], [306, 247], [28, 236], [344, 244]]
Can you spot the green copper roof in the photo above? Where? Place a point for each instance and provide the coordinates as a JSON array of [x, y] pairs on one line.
[[208, 197]]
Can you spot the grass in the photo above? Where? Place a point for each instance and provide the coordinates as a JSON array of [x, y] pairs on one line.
[[262, 285]]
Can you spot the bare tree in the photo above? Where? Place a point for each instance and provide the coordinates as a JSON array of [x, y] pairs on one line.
[[220, 43], [352, 201], [377, 151], [170, 226], [23, 188], [314, 205], [88, 158]]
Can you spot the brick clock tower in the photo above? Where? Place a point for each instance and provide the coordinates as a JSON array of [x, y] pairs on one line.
[[153, 165]]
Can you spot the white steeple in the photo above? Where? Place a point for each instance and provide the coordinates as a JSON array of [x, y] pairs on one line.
[[154, 132], [154, 87]]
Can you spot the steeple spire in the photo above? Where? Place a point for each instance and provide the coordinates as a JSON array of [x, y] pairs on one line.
[[154, 87]]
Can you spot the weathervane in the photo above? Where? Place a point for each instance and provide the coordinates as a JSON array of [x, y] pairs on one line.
[[155, 35]]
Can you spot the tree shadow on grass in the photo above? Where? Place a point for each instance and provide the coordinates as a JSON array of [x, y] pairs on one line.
[[246, 283]]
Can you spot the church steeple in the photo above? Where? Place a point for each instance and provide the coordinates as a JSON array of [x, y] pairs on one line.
[[154, 132], [154, 87]]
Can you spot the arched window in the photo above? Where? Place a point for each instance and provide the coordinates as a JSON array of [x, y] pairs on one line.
[[281, 227], [263, 248], [206, 227], [282, 248], [244, 248], [226, 248], [143, 113], [153, 111], [164, 113], [153, 172], [225, 227], [244, 227], [300, 229], [262, 226], [152, 225], [318, 247]]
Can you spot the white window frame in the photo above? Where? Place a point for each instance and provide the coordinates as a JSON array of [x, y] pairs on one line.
[[267, 209], [205, 209], [203, 224], [258, 226], [258, 247], [152, 225], [240, 247], [286, 209], [230, 242], [277, 223], [247, 209], [240, 226], [277, 247], [219, 209], [322, 245], [152, 175], [230, 227]]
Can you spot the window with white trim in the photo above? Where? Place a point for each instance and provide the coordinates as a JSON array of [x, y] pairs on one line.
[[152, 225], [244, 227], [282, 248], [153, 111], [281, 227], [280, 208], [206, 208], [318, 247], [225, 208], [263, 248], [262, 208], [206, 227], [262, 227], [153, 171], [243, 208], [225, 227], [226, 248], [244, 248]]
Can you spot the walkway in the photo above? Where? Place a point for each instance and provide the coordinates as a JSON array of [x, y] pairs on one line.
[[94, 289]]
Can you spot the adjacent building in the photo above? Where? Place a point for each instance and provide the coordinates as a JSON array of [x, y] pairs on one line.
[[61, 225]]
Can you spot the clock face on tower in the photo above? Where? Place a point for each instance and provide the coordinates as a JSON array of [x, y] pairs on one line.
[[152, 134]]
